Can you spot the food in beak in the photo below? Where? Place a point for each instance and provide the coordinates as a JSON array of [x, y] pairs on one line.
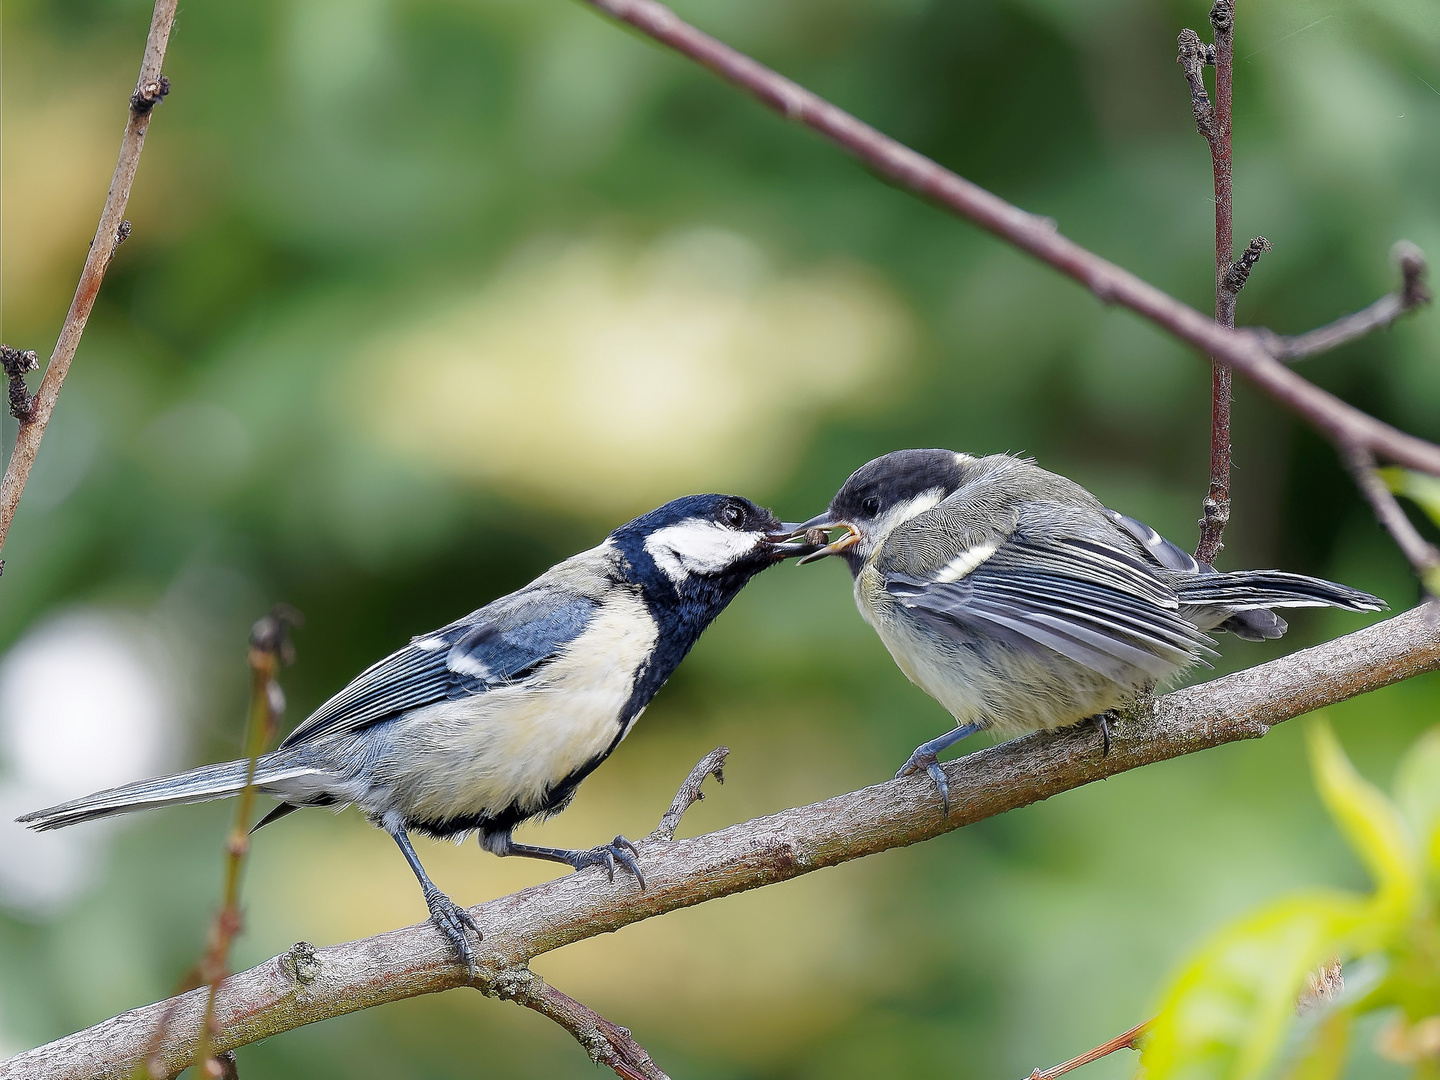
[[849, 538]]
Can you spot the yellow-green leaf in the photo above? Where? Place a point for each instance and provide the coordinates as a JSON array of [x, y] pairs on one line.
[[1370, 821], [1323, 1057], [1417, 790], [1226, 1014]]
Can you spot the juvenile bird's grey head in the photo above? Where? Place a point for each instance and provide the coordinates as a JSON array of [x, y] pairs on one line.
[[884, 494]]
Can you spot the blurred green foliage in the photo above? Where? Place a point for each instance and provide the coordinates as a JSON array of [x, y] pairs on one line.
[[1228, 1012], [330, 367]]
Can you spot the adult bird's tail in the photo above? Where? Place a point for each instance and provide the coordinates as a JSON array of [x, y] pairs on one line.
[[198, 785], [1248, 595]]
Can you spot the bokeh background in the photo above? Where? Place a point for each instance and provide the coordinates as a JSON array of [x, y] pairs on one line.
[[424, 295]]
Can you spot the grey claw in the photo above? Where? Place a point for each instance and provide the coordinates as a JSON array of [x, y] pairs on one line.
[[452, 921], [626, 854], [927, 763], [937, 774], [1102, 721]]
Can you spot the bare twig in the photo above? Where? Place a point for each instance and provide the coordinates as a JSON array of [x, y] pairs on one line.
[[712, 764], [1128, 1040], [1424, 557], [1213, 122], [150, 88], [304, 986], [1414, 294], [1342, 423], [1194, 57], [270, 647], [607, 1044]]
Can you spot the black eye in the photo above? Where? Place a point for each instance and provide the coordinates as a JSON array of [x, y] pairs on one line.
[[733, 515], [870, 506]]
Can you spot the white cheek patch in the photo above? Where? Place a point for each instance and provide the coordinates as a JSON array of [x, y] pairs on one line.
[[900, 513], [698, 547], [963, 563]]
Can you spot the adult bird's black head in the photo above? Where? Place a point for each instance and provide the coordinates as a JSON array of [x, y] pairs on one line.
[[690, 558], [694, 554], [882, 494]]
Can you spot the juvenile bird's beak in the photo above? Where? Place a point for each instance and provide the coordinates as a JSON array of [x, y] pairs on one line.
[[815, 533]]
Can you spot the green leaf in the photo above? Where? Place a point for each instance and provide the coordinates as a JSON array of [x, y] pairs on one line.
[[1226, 1014], [1417, 790], [1369, 821], [1422, 490]]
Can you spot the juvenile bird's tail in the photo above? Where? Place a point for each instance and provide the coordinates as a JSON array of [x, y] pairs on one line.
[[198, 785], [1246, 596]]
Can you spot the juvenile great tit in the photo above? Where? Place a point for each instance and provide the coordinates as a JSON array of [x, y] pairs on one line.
[[496, 718], [1015, 599]]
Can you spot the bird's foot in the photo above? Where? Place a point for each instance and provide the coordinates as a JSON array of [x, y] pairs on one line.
[[453, 920], [619, 850], [923, 760], [1102, 722]]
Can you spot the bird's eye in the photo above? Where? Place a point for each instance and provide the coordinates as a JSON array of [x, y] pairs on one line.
[[733, 515], [871, 506]]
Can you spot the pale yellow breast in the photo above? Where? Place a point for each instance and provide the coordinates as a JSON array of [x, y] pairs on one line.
[[510, 745]]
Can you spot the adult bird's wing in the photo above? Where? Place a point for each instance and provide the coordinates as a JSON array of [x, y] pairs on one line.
[[502, 642], [1077, 590]]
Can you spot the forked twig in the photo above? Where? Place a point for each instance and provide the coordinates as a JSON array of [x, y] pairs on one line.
[[1243, 351], [1414, 294]]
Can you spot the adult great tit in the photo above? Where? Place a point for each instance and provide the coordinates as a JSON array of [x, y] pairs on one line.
[[496, 718], [1015, 599]]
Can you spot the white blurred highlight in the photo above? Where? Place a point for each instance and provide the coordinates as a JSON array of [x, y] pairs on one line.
[[84, 705]]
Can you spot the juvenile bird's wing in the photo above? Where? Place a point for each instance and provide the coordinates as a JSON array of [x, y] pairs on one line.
[[1055, 578], [500, 643]]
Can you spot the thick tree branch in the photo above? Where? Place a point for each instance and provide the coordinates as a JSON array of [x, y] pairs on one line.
[[1241, 350], [306, 985], [150, 89], [1414, 294]]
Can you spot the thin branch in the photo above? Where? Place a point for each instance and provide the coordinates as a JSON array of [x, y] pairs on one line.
[[712, 764], [150, 89], [607, 1044], [306, 985], [1214, 124], [1128, 1040], [1414, 294], [270, 648], [1342, 423], [1424, 557]]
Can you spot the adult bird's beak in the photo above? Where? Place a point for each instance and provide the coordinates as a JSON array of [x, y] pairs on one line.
[[791, 540], [814, 532]]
